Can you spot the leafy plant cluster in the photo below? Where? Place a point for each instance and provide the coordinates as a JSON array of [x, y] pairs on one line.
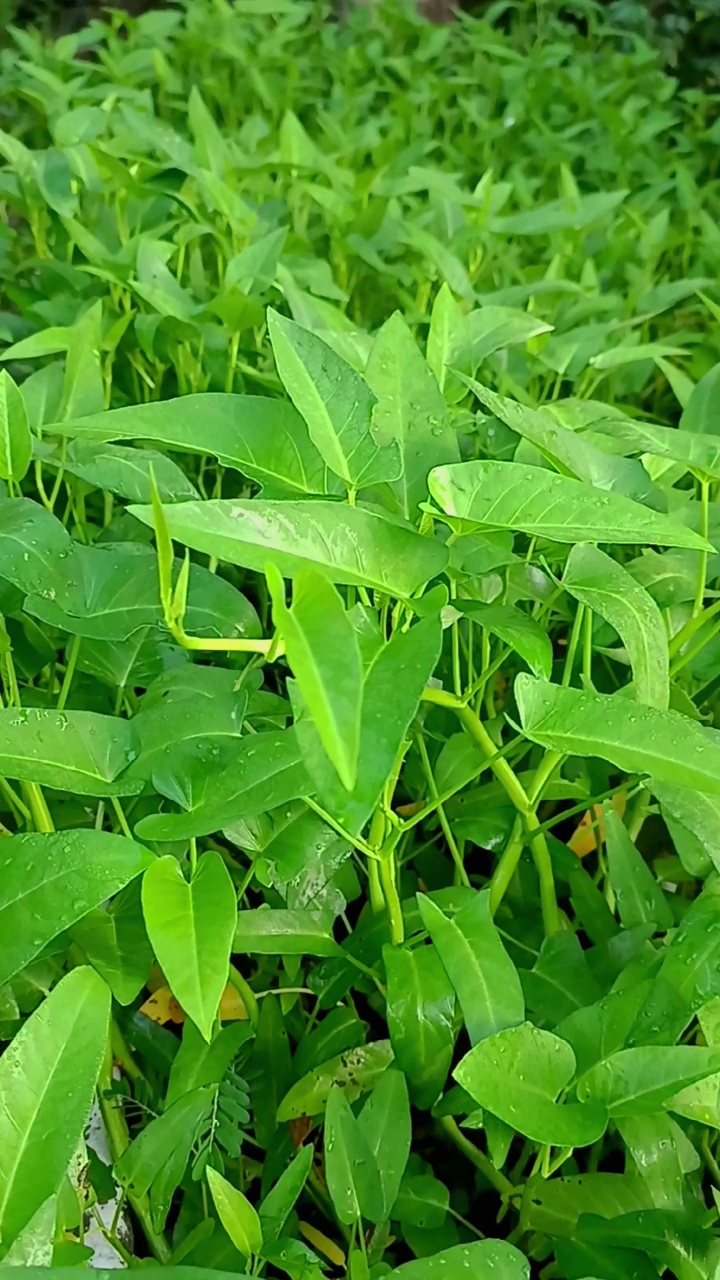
[[359, 650]]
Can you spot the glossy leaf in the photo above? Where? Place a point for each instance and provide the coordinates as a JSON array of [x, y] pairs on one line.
[[639, 740], [393, 684], [15, 441], [324, 655], [249, 775], [122, 470], [639, 898], [285, 933], [509, 495], [636, 1082], [236, 1214], [602, 584], [540, 1065], [335, 402], [410, 410], [420, 1014], [516, 629], [47, 1080], [148, 1155], [499, 1259], [351, 1169], [387, 1128], [191, 927], [48, 882], [346, 544], [485, 980], [78, 751], [265, 439], [280, 1201]]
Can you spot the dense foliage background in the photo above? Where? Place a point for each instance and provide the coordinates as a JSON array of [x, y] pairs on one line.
[[359, 644]]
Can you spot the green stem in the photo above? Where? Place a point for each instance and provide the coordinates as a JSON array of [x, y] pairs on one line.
[[451, 842], [691, 627], [375, 839], [449, 1129], [118, 1139], [38, 807], [215, 644], [526, 812], [72, 658], [388, 879], [704, 530], [572, 645], [587, 649], [120, 815]]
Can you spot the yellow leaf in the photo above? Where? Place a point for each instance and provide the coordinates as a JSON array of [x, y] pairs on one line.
[[162, 1006], [582, 842], [323, 1244], [232, 1007]]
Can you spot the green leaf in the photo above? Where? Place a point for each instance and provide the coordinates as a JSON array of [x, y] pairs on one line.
[[83, 391], [78, 751], [483, 975], [323, 652], [280, 1202], [689, 976], [387, 1128], [185, 705], [191, 928], [15, 441], [34, 1246], [447, 335], [422, 1201], [269, 932], [121, 470], [638, 1081], [420, 1016], [48, 882], [351, 1170], [115, 942], [350, 545], [265, 439], [516, 629], [639, 898], [34, 546], [197, 1063], [236, 1214], [665, 744], [491, 1258], [103, 593], [355, 1072], [335, 402], [540, 1065], [254, 268], [47, 1080], [411, 411], [144, 1160], [606, 587], [699, 454], [509, 495], [700, 413], [568, 452], [248, 776], [394, 681], [690, 815]]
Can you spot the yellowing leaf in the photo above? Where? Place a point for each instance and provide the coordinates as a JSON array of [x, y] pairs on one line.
[[323, 1244]]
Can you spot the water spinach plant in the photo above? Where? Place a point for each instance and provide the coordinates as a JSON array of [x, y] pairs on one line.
[[359, 654]]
